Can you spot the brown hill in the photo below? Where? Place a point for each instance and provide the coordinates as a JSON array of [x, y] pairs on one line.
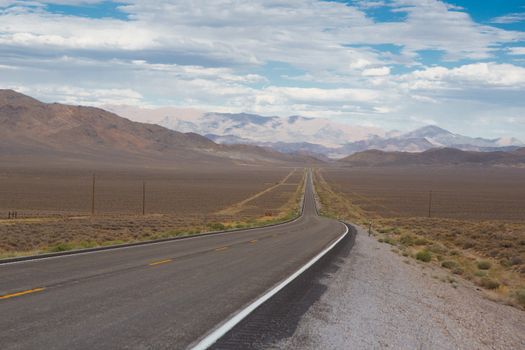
[[435, 156], [30, 129]]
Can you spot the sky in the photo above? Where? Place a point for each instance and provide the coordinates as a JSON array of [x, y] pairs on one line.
[[394, 64]]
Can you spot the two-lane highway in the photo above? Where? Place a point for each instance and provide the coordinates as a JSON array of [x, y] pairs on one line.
[[155, 296]]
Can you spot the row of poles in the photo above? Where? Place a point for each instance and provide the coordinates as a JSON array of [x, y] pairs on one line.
[[93, 196], [14, 215]]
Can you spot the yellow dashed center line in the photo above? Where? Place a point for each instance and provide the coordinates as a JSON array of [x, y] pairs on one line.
[[253, 241], [221, 248], [7, 296], [160, 262]]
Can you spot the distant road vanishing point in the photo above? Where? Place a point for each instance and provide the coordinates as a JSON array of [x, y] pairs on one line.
[[166, 295]]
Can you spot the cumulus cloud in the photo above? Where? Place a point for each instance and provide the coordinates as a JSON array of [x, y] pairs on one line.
[[221, 55], [375, 72], [510, 18], [477, 74], [516, 51]]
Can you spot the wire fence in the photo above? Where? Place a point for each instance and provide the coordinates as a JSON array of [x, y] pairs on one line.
[[481, 205]]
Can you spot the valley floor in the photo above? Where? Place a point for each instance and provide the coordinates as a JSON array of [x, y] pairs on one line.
[[381, 300]]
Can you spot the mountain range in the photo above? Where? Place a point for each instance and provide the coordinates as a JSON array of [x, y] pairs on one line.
[[319, 137], [32, 131], [436, 156]]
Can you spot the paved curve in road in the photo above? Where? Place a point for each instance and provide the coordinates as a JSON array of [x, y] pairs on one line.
[[155, 296]]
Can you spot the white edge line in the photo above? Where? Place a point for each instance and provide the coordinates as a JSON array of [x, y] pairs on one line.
[[216, 334]]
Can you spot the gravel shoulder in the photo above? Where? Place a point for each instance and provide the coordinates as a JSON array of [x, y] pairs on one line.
[[378, 299]]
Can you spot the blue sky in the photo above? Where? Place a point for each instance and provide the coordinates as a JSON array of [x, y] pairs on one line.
[[393, 64]]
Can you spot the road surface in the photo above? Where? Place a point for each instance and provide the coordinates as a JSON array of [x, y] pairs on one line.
[[156, 296]]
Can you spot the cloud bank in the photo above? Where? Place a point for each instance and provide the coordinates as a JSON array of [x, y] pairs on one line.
[[392, 64]]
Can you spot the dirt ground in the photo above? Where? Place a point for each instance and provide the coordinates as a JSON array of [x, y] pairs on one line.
[[477, 233], [377, 299], [457, 192], [54, 205]]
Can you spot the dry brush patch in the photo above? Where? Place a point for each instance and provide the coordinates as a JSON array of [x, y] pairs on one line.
[[490, 253], [65, 230]]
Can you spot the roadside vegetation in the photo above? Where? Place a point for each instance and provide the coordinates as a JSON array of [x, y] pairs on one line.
[[37, 235], [488, 253]]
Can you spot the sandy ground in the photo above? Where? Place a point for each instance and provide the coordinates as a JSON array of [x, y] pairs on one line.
[[376, 300]]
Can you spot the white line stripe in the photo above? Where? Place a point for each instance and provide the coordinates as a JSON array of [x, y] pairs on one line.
[[221, 330]]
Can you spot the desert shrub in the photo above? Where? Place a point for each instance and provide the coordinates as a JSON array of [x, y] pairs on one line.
[[516, 260], [389, 241], [488, 283], [448, 264], [520, 296], [420, 241], [424, 255], [87, 244], [407, 240], [484, 265], [438, 248], [480, 273], [217, 226], [61, 247]]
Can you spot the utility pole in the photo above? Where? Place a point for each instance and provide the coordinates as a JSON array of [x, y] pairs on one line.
[[143, 197], [93, 197], [430, 204]]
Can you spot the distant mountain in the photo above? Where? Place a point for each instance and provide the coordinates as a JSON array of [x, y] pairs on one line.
[[441, 137], [316, 136], [252, 128], [436, 156], [30, 129]]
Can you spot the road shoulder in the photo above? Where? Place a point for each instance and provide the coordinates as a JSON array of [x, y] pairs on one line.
[[378, 299]]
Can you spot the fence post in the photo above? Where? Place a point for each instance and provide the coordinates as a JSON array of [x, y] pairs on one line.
[[143, 197], [93, 197]]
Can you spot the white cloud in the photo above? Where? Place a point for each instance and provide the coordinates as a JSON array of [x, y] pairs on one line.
[[510, 18], [218, 55], [516, 51], [376, 72], [477, 74], [80, 96]]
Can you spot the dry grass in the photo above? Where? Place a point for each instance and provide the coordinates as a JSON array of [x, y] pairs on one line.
[[180, 191], [242, 205], [490, 253], [457, 192], [66, 230]]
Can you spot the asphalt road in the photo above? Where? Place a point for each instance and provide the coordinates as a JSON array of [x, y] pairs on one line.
[[157, 296]]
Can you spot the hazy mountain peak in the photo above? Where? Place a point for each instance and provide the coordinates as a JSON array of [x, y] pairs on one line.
[[29, 129], [427, 131], [316, 135]]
